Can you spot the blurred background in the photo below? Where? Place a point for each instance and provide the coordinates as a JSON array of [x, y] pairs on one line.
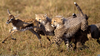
[[27, 43]]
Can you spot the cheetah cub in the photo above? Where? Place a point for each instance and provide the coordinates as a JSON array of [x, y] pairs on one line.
[[45, 25]]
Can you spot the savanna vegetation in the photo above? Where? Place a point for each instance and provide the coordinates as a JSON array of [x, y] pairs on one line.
[[27, 44]]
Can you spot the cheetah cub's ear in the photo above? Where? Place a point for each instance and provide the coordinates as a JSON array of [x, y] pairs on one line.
[[61, 17], [35, 16], [45, 15]]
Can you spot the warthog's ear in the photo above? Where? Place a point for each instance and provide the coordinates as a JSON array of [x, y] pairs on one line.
[[8, 12]]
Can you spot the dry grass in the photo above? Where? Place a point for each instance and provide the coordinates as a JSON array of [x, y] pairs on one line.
[[27, 44]]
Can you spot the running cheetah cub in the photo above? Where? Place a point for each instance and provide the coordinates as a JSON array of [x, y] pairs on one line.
[[45, 23], [67, 28]]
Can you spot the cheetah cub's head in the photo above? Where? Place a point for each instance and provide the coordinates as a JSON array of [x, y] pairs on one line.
[[41, 18], [57, 21]]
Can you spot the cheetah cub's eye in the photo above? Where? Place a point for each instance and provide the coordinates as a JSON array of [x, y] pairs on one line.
[[39, 19], [54, 21]]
